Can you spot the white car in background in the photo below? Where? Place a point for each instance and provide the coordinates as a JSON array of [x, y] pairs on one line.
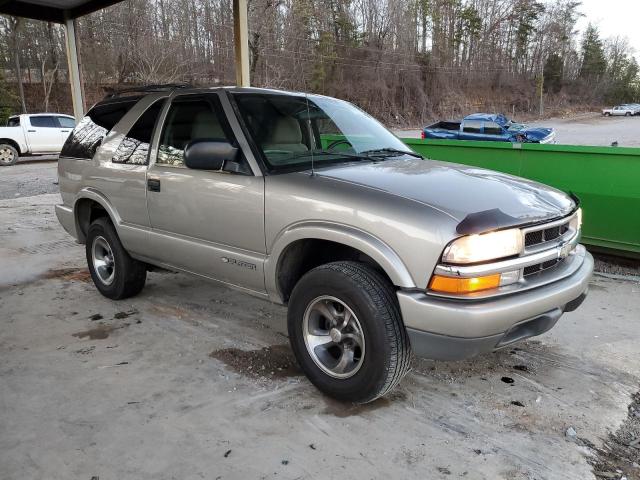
[[635, 107], [34, 134], [619, 110]]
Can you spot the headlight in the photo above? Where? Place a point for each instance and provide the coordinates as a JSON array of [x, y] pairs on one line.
[[485, 246]]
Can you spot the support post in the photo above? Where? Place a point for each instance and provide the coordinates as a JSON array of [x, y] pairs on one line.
[[241, 37], [74, 69]]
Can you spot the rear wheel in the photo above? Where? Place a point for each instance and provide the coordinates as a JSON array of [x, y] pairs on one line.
[[114, 272], [628, 114], [346, 331], [8, 154]]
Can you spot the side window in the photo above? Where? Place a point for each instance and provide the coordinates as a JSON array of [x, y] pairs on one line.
[[189, 119], [492, 128], [134, 148], [472, 126], [89, 133], [66, 122], [43, 121], [14, 122]]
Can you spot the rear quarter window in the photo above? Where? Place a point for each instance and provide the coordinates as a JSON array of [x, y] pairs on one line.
[[134, 148], [66, 122], [91, 130]]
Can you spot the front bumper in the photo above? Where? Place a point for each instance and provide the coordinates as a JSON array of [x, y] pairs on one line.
[[452, 329]]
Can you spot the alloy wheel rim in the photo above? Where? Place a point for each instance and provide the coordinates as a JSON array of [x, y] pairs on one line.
[[103, 262], [333, 337], [6, 155]]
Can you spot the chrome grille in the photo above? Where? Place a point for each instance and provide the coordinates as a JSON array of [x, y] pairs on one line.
[[545, 235], [539, 267]]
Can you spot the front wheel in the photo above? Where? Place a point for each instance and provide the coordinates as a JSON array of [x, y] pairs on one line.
[[8, 154], [115, 274], [628, 114], [346, 331]]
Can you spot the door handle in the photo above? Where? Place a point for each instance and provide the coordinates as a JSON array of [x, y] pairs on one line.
[[31, 131], [153, 184], [65, 131]]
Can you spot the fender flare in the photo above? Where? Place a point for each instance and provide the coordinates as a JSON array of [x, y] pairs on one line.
[[21, 147], [363, 241], [91, 194]]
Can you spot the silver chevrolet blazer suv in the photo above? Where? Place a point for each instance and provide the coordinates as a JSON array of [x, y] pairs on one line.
[[309, 202]]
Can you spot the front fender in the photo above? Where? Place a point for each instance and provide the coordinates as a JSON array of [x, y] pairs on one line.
[[363, 241]]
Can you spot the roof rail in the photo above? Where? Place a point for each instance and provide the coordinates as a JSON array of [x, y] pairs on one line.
[[146, 89]]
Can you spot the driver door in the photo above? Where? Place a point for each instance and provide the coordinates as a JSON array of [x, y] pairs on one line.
[[205, 222]]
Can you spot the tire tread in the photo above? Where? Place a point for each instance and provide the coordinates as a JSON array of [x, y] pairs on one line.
[[384, 297], [135, 272]]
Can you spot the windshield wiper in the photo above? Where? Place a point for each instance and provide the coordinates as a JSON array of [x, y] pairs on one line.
[[340, 155], [389, 152]]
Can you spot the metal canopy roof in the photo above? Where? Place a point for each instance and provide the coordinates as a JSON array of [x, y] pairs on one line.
[[53, 10], [66, 11]]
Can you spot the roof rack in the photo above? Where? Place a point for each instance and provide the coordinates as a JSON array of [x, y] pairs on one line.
[[146, 89]]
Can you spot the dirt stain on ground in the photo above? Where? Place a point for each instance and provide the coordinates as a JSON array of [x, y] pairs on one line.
[[276, 361], [622, 449], [98, 333], [348, 409], [169, 311], [121, 315], [69, 274]]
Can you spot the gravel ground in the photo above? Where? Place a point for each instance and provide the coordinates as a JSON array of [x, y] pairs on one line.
[[588, 129], [610, 265], [30, 176], [594, 129]]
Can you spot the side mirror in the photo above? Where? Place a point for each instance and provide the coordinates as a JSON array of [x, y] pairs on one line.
[[205, 154]]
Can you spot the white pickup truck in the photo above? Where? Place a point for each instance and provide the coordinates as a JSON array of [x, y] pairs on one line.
[[34, 134], [619, 110]]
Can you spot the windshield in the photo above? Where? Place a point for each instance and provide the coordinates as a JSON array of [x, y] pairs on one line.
[[290, 130]]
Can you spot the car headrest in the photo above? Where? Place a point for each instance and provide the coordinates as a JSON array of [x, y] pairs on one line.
[[206, 125], [286, 130]]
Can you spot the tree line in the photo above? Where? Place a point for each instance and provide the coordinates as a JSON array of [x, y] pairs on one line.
[[405, 61]]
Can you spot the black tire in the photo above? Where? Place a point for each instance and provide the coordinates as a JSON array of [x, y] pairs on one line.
[[373, 300], [628, 114], [8, 154], [129, 275], [607, 114]]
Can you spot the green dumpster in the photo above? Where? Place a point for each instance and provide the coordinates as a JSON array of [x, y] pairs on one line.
[[605, 179]]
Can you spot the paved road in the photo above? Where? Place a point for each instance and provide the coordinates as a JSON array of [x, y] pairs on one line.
[[590, 129]]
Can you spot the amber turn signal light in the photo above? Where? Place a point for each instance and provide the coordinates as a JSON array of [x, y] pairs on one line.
[[442, 284]]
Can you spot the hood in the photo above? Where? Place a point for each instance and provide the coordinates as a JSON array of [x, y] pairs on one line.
[[536, 133], [459, 191]]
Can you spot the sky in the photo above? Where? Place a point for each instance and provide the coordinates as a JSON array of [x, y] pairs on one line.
[[613, 17]]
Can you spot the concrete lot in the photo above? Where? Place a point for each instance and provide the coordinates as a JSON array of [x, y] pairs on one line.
[[588, 129], [191, 380]]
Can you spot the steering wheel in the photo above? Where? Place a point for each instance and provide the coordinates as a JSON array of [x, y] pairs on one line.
[[336, 143]]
